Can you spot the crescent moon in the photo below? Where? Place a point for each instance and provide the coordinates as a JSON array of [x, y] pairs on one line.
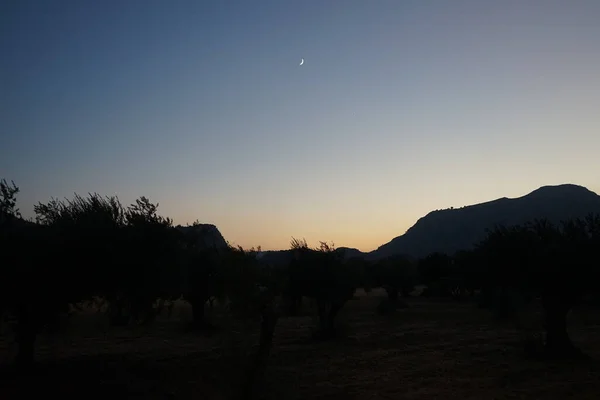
[[302, 61]]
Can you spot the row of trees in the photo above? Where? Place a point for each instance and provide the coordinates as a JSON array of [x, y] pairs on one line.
[[557, 264], [134, 261]]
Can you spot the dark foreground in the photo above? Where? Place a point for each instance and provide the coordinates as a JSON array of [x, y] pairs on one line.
[[434, 349]]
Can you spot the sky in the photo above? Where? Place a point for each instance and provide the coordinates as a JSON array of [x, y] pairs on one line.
[[400, 108]]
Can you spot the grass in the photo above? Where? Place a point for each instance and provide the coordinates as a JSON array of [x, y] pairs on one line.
[[433, 349]]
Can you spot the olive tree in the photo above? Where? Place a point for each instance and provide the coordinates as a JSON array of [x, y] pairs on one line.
[[321, 274], [557, 263], [253, 291], [53, 264]]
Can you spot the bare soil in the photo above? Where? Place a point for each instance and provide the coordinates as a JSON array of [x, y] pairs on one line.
[[433, 349]]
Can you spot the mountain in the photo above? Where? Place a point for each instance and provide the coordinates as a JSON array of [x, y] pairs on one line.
[[207, 235], [451, 229], [455, 229]]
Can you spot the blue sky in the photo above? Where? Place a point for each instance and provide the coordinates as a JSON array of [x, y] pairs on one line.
[[401, 107]]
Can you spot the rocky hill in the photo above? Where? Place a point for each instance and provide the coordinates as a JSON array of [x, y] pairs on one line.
[[207, 235]]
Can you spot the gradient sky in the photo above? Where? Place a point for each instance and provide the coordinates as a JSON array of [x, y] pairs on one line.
[[400, 108]]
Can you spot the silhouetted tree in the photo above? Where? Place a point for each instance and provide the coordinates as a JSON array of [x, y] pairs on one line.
[[295, 289], [466, 274], [322, 275], [53, 264], [202, 278], [90, 230], [17, 258], [253, 290], [8, 201], [363, 269], [149, 267], [434, 270], [396, 275], [557, 263], [131, 251]]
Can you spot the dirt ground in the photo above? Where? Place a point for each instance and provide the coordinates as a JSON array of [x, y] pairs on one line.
[[434, 349]]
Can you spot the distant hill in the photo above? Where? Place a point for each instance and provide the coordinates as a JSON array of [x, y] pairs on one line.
[[455, 229], [350, 252], [207, 235]]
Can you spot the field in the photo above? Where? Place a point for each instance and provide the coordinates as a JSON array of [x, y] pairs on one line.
[[434, 349]]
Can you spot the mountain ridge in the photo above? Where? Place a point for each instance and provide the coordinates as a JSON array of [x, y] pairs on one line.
[[555, 202], [452, 229]]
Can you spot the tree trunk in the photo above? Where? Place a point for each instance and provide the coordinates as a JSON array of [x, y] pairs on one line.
[[198, 315], [558, 342], [322, 311], [486, 299], [294, 305], [26, 351], [257, 369], [333, 312], [170, 307], [328, 310], [117, 315], [25, 336]]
